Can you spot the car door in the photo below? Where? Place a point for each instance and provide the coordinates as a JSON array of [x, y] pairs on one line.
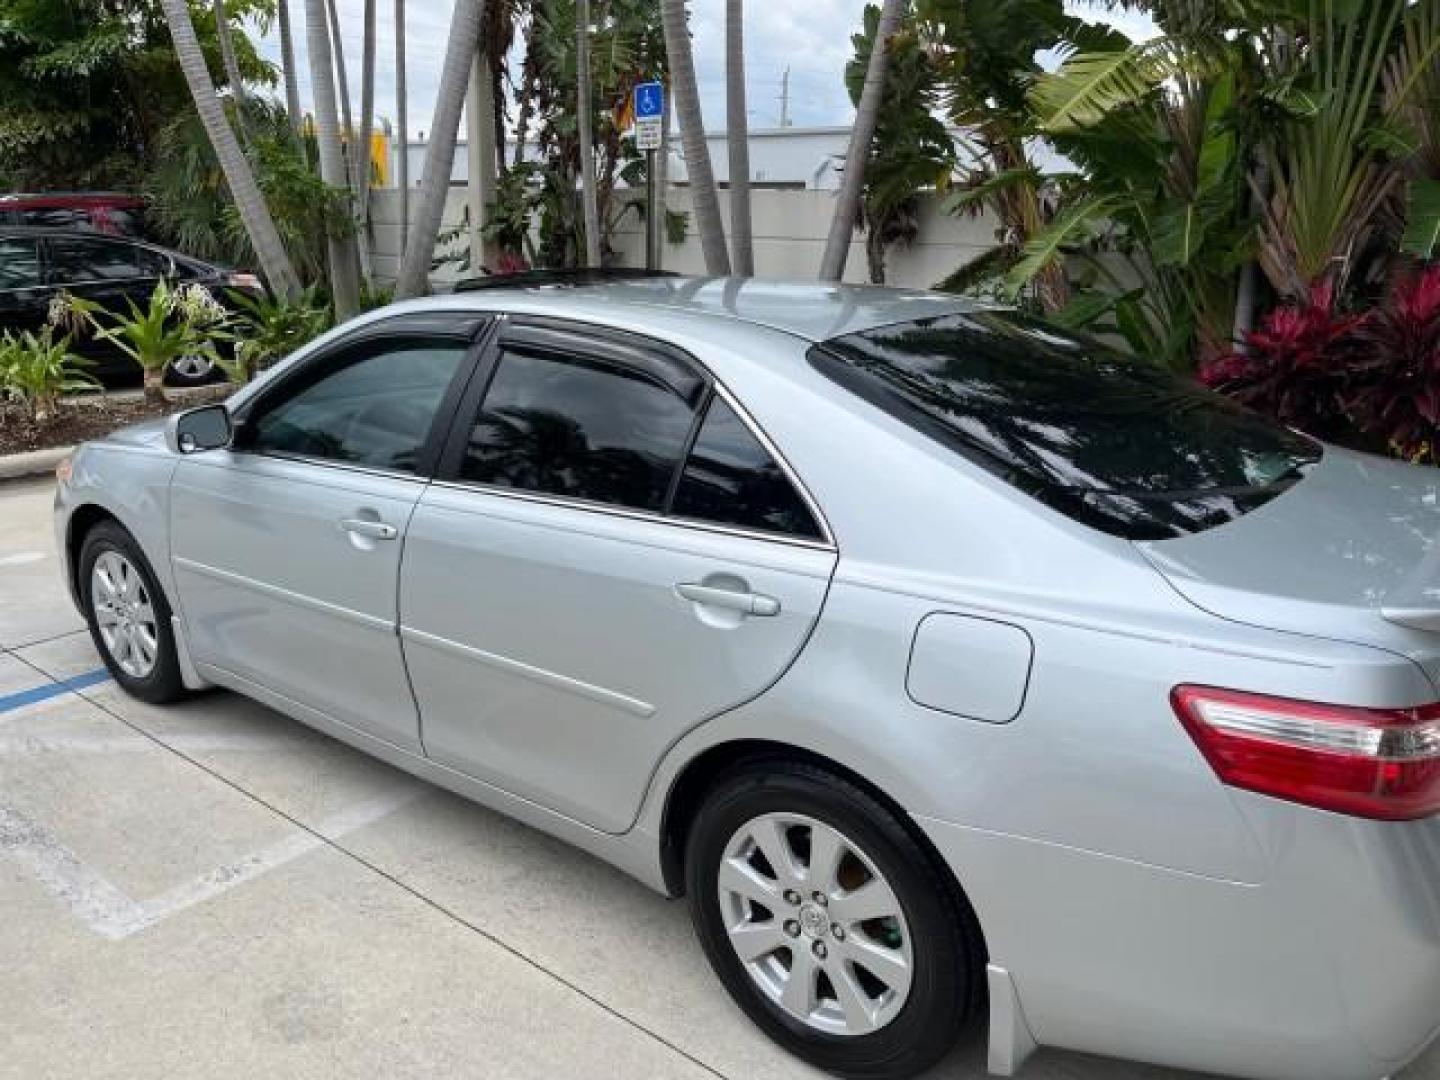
[[286, 548], [24, 299], [610, 555]]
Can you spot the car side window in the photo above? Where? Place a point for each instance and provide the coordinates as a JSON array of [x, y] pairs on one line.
[[730, 478], [373, 405], [152, 263], [580, 427], [76, 261], [19, 263]]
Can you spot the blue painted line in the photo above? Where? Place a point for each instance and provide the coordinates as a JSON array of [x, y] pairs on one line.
[[55, 689]]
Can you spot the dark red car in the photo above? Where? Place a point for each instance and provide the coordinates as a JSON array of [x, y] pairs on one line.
[[108, 212]]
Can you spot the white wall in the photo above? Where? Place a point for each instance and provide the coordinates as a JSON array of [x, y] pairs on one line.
[[789, 233]]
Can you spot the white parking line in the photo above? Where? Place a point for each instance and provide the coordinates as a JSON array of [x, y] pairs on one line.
[[22, 558], [109, 912]]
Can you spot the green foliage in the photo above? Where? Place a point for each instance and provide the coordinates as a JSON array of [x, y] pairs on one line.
[[87, 85], [37, 369], [269, 329], [911, 151], [190, 204]]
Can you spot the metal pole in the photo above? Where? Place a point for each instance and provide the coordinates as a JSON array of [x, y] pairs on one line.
[[653, 214]]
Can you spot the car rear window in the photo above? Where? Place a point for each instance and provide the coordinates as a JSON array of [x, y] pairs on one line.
[[1116, 443]]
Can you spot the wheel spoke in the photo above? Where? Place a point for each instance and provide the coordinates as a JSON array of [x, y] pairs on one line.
[[887, 965], [853, 1002], [754, 940], [799, 993], [105, 615], [827, 849], [144, 644], [144, 613], [873, 900], [770, 838], [130, 581], [744, 880]]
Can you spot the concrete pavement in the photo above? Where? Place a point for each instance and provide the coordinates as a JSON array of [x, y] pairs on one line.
[[213, 890]]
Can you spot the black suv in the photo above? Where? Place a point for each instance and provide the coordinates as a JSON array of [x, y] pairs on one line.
[[36, 264]]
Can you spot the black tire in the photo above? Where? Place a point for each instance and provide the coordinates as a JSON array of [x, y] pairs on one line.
[[163, 683], [180, 380], [947, 990]]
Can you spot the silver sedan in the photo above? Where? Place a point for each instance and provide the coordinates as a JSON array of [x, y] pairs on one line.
[[951, 666]]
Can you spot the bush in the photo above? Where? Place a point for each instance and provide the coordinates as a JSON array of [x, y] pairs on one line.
[[37, 369], [1370, 380], [271, 328]]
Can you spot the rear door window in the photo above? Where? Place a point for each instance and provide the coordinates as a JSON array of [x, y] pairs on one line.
[[76, 260], [579, 426], [1115, 442], [19, 263]]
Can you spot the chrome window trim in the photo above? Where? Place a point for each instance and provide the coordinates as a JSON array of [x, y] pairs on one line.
[[567, 503]]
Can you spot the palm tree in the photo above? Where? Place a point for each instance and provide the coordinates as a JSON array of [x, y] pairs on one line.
[[360, 152], [440, 153], [587, 138], [344, 280], [738, 137], [231, 65], [692, 136], [249, 202], [402, 126], [852, 184], [480, 142], [287, 61]]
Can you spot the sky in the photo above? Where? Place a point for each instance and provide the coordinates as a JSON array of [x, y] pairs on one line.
[[810, 37]]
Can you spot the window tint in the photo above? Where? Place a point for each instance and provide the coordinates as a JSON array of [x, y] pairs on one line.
[[567, 425], [19, 264], [731, 478], [374, 408], [151, 263], [1112, 441], [76, 260]]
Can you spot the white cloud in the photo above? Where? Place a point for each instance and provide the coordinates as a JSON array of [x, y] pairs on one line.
[[810, 37]]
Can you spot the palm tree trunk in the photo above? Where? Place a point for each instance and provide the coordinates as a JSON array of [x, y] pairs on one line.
[[402, 125], [362, 147], [232, 66], [525, 94], [480, 142], [344, 280], [737, 125], [692, 136], [292, 82], [867, 113], [588, 196], [254, 214], [440, 152]]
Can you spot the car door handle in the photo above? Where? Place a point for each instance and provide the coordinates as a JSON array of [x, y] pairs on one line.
[[375, 530], [749, 602]]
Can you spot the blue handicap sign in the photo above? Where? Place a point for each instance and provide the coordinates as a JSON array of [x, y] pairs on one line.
[[649, 101]]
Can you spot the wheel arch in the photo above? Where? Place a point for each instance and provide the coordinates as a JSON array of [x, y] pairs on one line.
[[82, 519], [700, 774]]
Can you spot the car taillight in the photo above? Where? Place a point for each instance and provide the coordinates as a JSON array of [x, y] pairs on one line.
[[242, 281], [1374, 763]]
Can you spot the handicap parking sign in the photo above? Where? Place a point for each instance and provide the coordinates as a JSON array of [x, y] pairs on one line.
[[649, 101]]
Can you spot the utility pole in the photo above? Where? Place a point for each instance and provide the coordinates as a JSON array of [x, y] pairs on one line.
[[785, 98]]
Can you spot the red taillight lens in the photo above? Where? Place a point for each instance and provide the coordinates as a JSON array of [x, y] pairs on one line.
[[243, 281], [1374, 763]]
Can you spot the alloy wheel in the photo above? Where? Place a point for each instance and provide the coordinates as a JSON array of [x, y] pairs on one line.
[[815, 924], [124, 614], [192, 366]]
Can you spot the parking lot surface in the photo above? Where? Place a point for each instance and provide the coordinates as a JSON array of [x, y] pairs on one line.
[[212, 889]]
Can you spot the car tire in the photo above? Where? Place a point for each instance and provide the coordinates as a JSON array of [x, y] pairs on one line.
[[128, 615], [917, 1015]]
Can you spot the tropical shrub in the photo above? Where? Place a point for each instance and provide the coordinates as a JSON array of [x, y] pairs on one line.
[[36, 368], [269, 329], [175, 322], [1371, 380]]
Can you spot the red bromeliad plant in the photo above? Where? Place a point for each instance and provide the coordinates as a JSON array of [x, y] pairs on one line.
[[1295, 368], [1393, 362]]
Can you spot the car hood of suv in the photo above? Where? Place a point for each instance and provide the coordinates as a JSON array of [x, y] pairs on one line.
[[1349, 553]]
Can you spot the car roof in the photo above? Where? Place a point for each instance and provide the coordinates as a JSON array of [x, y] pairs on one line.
[[815, 311]]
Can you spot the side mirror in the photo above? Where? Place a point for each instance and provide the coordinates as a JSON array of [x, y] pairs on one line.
[[205, 428]]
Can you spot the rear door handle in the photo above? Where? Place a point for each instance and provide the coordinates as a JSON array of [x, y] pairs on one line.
[[750, 603], [375, 530]]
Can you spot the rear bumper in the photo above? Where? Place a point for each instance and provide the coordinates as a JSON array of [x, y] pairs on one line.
[[1327, 970]]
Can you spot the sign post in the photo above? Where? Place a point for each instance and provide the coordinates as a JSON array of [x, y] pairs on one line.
[[649, 102]]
